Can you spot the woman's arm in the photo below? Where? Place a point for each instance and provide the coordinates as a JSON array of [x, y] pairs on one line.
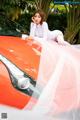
[[45, 33], [45, 30], [32, 29]]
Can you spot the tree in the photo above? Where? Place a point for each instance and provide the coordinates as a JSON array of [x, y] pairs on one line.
[[44, 5], [10, 8], [73, 23]]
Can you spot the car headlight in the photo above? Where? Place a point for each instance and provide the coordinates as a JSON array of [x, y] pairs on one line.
[[19, 79]]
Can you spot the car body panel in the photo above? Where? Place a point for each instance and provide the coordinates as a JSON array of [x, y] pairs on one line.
[[8, 94], [21, 54], [26, 57]]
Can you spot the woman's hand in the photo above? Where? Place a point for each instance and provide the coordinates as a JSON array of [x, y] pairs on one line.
[[33, 20], [30, 38]]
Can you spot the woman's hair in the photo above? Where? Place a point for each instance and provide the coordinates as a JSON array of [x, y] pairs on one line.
[[42, 14]]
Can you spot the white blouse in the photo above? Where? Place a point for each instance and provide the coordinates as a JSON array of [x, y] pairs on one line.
[[39, 31]]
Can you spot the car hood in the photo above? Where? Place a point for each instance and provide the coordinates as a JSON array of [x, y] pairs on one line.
[[23, 53]]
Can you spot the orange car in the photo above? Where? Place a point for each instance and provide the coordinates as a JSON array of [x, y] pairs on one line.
[[19, 63]]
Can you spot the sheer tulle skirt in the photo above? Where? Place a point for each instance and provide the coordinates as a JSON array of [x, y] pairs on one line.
[[58, 84], [58, 81]]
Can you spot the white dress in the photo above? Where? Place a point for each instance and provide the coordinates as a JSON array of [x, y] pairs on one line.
[[41, 32]]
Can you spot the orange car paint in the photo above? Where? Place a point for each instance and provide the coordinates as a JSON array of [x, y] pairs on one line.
[[25, 56]]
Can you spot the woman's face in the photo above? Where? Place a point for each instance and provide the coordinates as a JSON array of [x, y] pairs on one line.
[[37, 18]]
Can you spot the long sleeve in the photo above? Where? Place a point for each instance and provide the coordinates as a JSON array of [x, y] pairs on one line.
[[45, 30], [32, 29]]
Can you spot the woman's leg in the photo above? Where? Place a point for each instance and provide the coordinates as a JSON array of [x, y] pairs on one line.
[[58, 36]]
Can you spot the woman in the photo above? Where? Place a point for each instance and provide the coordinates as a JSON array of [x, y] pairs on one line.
[[39, 30], [59, 74]]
